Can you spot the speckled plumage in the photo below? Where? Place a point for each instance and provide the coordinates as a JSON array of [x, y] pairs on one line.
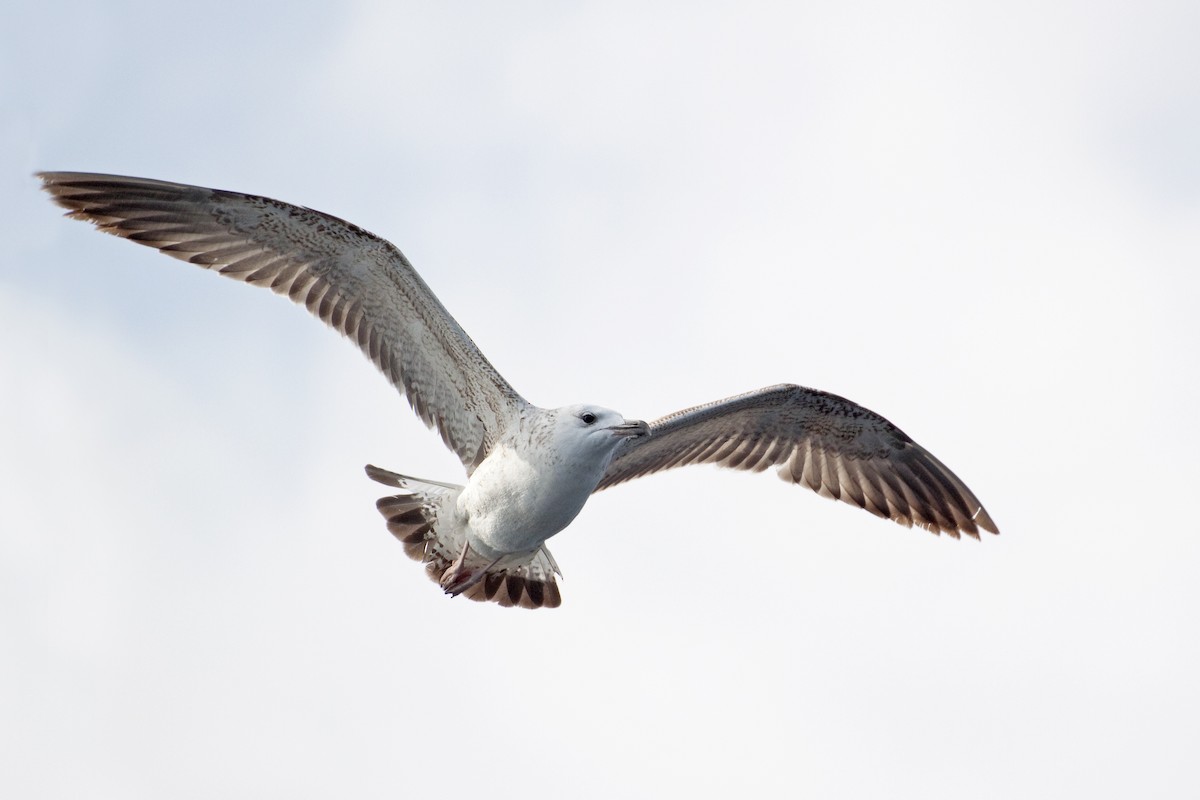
[[530, 470]]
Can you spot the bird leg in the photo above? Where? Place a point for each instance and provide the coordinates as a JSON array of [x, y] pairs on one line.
[[460, 577]]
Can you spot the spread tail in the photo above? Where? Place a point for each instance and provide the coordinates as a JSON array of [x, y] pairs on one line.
[[525, 580]]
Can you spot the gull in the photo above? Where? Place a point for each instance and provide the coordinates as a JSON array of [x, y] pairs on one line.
[[530, 470]]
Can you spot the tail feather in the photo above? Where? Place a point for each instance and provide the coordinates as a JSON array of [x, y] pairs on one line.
[[412, 516], [527, 581], [530, 584]]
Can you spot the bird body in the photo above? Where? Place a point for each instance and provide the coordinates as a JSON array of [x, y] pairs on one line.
[[537, 479], [529, 470]]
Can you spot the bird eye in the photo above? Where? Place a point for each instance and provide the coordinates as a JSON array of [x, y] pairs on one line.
[[587, 417]]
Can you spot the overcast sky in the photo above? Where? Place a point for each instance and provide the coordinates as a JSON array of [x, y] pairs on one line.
[[980, 220]]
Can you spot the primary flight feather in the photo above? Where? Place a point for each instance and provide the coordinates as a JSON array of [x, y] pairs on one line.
[[529, 470]]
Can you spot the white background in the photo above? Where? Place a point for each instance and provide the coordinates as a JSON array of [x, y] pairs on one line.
[[980, 220]]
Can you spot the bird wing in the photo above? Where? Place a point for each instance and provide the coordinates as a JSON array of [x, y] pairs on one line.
[[358, 283], [835, 447]]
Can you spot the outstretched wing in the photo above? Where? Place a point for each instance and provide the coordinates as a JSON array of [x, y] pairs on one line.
[[359, 284], [835, 447]]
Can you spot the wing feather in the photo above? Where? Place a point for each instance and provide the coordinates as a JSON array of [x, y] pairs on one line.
[[356, 282], [833, 446]]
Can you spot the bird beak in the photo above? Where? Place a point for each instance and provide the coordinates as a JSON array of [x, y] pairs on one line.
[[632, 428]]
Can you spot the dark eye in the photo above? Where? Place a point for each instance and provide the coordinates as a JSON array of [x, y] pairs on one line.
[[587, 417]]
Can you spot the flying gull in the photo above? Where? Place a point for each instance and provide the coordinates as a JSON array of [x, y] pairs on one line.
[[529, 469]]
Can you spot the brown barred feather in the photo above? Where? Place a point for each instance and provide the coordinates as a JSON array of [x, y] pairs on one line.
[[833, 446]]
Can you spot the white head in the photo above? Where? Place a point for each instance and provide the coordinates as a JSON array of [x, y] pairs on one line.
[[594, 432]]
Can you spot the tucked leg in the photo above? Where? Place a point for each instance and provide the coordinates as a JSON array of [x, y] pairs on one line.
[[462, 574]]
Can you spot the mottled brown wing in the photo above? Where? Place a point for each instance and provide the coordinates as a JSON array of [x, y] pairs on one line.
[[358, 283], [833, 446]]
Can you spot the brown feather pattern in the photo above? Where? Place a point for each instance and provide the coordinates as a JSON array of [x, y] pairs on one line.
[[356, 282], [816, 439], [412, 517]]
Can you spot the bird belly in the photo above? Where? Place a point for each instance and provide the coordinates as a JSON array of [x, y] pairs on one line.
[[512, 507]]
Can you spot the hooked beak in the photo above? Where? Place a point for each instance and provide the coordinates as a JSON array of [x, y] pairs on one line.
[[632, 428]]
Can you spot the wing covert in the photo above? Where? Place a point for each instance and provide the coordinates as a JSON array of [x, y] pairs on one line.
[[356, 282], [833, 446]]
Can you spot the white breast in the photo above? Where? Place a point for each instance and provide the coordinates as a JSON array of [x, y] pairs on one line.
[[516, 499]]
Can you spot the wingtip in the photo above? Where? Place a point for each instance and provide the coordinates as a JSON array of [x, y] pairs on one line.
[[54, 177], [983, 520], [386, 477]]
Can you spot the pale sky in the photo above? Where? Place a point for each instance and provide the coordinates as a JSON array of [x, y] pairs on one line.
[[980, 220]]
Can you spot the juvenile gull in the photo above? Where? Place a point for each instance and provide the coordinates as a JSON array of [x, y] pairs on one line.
[[529, 469]]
